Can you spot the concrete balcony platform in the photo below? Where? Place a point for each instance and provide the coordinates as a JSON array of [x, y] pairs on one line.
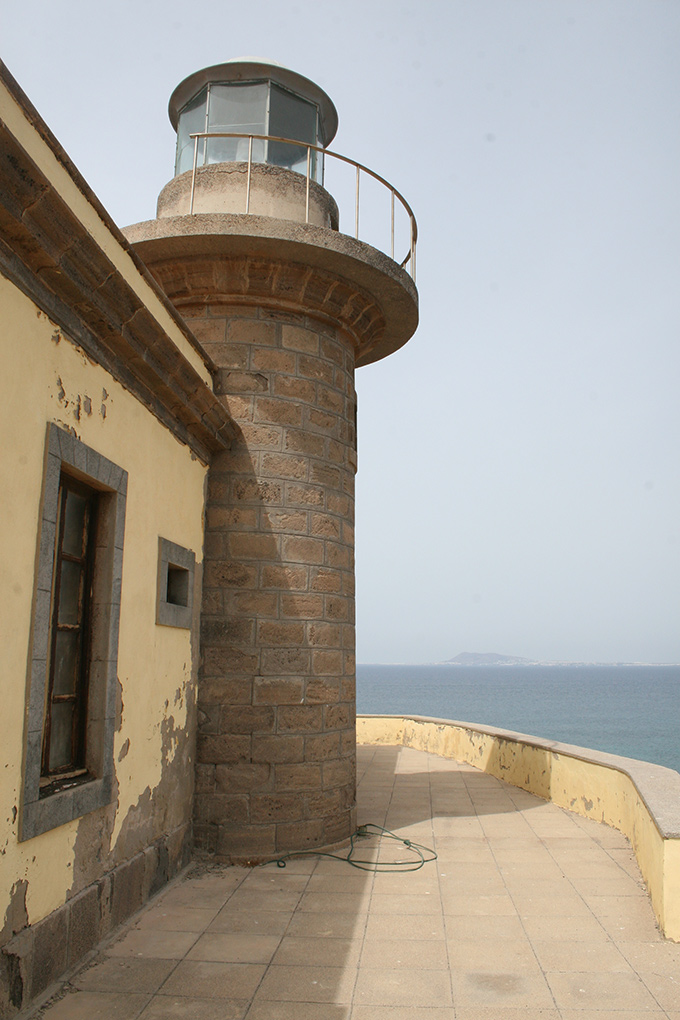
[[529, 913]]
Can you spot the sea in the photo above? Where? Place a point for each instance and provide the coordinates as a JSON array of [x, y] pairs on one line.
[[631, 710]]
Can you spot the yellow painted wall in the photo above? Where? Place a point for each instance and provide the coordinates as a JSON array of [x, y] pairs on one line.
[[45, 378], [590, 788]]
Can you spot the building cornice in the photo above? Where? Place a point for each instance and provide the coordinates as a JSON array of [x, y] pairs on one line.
[[48, 253]]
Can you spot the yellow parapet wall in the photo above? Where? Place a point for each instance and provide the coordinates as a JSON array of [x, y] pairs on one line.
[[640, 799]]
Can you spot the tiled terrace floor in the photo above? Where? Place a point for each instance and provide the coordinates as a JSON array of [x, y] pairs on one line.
[[529, 912]]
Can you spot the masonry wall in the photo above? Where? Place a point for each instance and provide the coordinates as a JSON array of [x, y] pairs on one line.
[[276, 741], [64, 889]]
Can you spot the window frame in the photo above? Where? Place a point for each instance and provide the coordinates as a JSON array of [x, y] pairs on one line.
[[54, 805], [171, 613]]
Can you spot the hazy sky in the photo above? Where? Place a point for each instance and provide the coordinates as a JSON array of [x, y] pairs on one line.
[[519, 484]]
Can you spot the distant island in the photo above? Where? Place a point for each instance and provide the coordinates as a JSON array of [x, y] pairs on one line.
[[495, 659], [488, 659]]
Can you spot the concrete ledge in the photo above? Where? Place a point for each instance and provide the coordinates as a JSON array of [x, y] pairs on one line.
[[640, 799]]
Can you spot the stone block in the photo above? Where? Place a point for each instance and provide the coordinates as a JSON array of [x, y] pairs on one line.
[[325, 526], [299, 835], [321, 747], [234, 841], [249, 490], [267, 360], [326, 663], [337, 607], [243, 777], [324, 474], [339, 557], [325, 635], [341, 772], [230, 381], [324, 421], [299, 777], [218, 661], [295, 521], [278, 690], [282, 465], [322, 690], [84, 920], [227, 631], [251, 546], [222, 748], [228, 574], [240, 406], [259, 603], [277, 661], [268, 807], [50, 950], [305, 607], [329, 399], [338, 828], [297, 549], [299, 339], [277, 411], [288, 577], [278, 633], [325, 580], [315, 368], [311, 444], [246, 719], [338, 717], [278, 749], [205, 778], [295, 389], [304, 495], [323, 804], [216, 809], [299, 719], [253, 331], [261, 437], [225, 690]]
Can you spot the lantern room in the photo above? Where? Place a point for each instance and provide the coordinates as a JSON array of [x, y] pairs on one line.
[[242, 109]]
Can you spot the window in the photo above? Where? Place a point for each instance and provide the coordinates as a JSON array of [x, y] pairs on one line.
[[63, 757], [72, 687], [174, 601]]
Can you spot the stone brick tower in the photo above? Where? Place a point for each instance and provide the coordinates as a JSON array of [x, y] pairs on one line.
[[246, 245]]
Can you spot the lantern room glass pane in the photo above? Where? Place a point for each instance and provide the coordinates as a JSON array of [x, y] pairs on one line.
[[191, 121], [292, 117], [241, 108]]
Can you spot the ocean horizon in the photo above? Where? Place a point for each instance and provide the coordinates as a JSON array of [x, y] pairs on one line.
[[629, 709]]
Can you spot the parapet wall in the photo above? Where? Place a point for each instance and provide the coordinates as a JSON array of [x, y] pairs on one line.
[[640, 799]]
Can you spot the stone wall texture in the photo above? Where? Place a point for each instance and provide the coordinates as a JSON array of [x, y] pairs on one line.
[[276, 731]]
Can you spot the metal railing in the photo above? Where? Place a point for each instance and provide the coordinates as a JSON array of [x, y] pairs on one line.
[[409, 260]]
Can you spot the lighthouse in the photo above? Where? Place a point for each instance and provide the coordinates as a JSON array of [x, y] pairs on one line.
[[287, 301]]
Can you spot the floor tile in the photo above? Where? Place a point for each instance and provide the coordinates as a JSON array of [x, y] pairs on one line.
[[114, 973], [261, 922], [404, 986], [204, 979], [222, 947], [184, 1007], [324, 952], [97, 1006], [266, 1010], [500, 989], [308, 984], [427, 954], [599, 991], [161, 945]]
